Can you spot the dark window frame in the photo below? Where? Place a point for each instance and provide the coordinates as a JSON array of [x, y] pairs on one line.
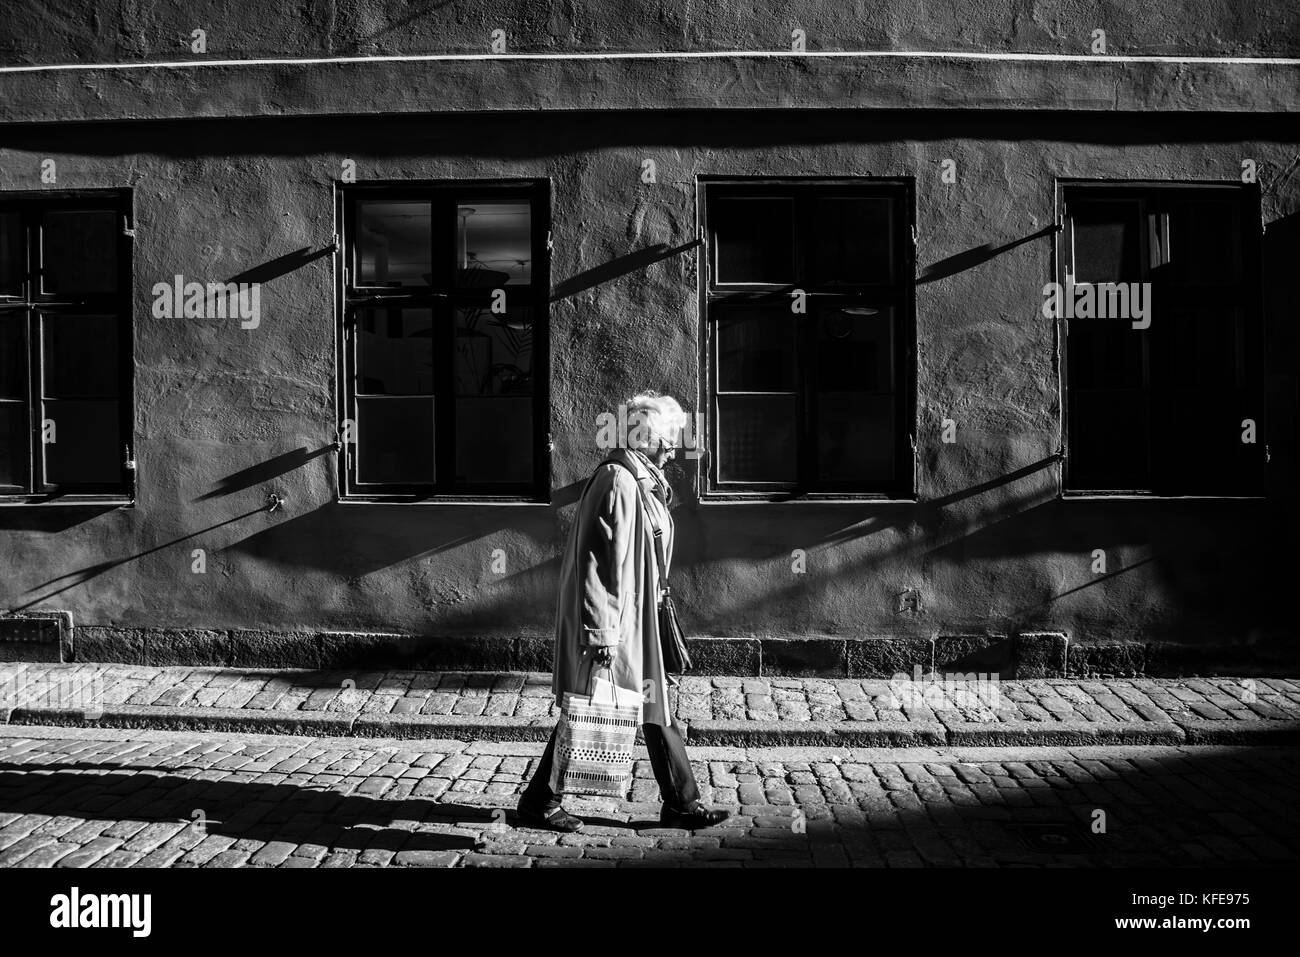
[[442, 297], [1249, 331], [32, 206], [899, 294]]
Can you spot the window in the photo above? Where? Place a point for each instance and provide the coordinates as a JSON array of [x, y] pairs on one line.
[[444, 341], [1161, 409], [808, 308], [65, 346]]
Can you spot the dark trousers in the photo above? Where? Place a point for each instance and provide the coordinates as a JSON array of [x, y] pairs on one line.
[[668, 758]]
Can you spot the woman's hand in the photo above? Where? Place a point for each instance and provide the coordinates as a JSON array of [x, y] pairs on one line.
[[603, 657]]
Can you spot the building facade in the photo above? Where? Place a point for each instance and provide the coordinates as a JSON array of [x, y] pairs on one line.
[[313, 323]]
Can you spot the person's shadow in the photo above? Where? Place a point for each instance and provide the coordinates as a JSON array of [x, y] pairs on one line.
[[263, 812]]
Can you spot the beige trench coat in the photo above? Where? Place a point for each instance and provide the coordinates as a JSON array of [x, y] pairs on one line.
[[609, 588]]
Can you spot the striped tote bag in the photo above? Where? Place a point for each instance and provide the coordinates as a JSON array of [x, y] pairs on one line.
[[593, 747]]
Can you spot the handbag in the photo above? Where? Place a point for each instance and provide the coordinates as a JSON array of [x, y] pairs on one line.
[[672, 640], [593, 746]]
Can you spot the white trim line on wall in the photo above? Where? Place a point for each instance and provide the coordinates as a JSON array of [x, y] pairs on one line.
[[669, 55]]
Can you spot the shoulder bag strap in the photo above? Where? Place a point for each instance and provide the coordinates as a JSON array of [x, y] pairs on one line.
[[661, 558]]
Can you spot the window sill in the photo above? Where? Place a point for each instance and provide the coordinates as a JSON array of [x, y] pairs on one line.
[[513, 502], [810, 498], [1140, 497], [66, 501]]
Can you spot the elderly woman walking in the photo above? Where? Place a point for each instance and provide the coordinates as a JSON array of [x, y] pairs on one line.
[[606, 616]]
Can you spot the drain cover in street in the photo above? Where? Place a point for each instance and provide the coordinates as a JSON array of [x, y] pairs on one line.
[[1067, 837]]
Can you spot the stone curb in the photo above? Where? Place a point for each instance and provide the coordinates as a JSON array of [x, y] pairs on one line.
[[867, 734], [1208, 731], [705, 733], [465, 727], [314, 723], [1063, 733]]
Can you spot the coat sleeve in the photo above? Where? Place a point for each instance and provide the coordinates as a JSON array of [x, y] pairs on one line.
[[606, 546]]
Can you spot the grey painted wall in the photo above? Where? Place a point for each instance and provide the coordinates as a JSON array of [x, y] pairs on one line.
[[984, 552]]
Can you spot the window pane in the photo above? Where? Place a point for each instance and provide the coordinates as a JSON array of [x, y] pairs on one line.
[[395, 247], [756, 438], [1205, 245], [13, 254], [1108, 441], [1159, 242], [493, 244], [395, 440], [87, 447], [855, 350], [494, 352], [81, 355], [1104, 354], [756, 350], [1106, 241], [854, 240], [1198, 447], [1158, 410], [494, 440], [1196, 349], [13, 355], [395, 351], [79, 251], [14, 437], [753, 240], [855, 436]]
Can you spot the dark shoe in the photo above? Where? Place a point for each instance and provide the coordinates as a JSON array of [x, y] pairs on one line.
[[699, 816], [556, 819]]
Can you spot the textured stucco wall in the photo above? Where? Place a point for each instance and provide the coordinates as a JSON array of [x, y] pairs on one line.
[[65, 31], [328, 57], [214, 198]]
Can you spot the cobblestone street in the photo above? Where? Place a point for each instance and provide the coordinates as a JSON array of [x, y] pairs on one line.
[[528, 695], [112, 798], [932, 711]]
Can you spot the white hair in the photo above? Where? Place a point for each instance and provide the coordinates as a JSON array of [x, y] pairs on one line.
[[653, 418]]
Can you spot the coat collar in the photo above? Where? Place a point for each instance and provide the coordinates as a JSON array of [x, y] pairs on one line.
[[651, 477]]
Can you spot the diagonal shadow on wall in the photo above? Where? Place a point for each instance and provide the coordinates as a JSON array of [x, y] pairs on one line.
[[82, 575], [977, 256], [264, 471], [619, 267], [355, 539]]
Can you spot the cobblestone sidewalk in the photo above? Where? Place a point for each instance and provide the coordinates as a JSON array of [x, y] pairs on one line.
[[115, 798], [718, 710]]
